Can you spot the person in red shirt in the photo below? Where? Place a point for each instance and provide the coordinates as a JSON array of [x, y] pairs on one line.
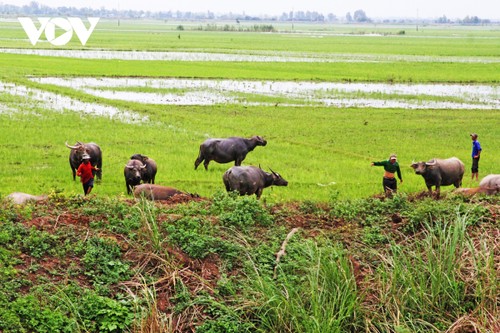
[[85, 173]]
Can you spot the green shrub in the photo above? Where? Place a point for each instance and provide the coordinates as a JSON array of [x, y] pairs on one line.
[[223, 318], [12, 234], [240, 212], [102, 262], [373, 236], [38, 242], [35, 315], [196, 237], [193, 236], [224, 324], [103, 314], [310, 207]]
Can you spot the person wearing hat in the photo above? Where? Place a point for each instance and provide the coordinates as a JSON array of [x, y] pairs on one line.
[[391, 167], [476, 152], [86, 175]]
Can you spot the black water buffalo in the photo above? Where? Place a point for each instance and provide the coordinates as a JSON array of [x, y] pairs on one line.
[[149, 172], [438, 172], [156, 192], [227, 150], [250, 180], [80, 148], [132, 172]]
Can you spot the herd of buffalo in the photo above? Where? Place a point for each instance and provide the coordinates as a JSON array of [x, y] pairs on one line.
[[140, 171]]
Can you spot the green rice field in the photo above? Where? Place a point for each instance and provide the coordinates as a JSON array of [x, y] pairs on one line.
[[322, 141]]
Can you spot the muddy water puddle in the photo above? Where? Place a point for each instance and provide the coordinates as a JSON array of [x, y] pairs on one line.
[[211, 92]]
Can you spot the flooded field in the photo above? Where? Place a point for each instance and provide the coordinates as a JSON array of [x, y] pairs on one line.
[[211, 92], [59, 103], [246, 56], [328, 105]]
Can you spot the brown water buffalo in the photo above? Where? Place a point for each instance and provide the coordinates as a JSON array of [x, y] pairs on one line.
[[155, 192], [132, 172], [80, 148], [227, 150], [440, 172], [250, 180], [21, 198], [149, 172], [489, 185]]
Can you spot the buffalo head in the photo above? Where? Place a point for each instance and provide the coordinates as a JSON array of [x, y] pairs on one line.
[[132, 172], [277, 179], [421, 167], [77, 151], [260, 141]]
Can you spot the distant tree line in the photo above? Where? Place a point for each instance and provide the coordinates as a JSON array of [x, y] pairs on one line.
[[468, 20], [36, 9], [359, 16], [227, 27]]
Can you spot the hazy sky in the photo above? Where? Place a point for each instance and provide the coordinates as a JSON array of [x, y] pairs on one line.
[[484, 9]]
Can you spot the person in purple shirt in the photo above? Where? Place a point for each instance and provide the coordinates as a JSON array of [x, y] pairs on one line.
[[476, 153]]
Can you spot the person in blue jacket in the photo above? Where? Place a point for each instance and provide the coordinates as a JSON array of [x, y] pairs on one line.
[[476, 153]]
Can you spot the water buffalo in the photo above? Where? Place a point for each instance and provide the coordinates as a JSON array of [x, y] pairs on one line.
[[149, 172], [80, 148], [132, 172], [21, 198], [438, 172], [489, 185], [227, 150], [155, 192], [250, 180]]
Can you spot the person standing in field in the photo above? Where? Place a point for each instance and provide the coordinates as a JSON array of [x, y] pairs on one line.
[[391, 168], [85, 173], [476, 152]]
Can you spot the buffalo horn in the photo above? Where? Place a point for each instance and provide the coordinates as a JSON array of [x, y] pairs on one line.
[[70, 147], [431, 162]]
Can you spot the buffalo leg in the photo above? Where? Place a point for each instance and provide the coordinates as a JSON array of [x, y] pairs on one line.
[[429, 188], [197, 162], [199, 159]]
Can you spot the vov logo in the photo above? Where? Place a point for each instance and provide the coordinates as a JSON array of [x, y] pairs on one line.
[[49, 25]]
